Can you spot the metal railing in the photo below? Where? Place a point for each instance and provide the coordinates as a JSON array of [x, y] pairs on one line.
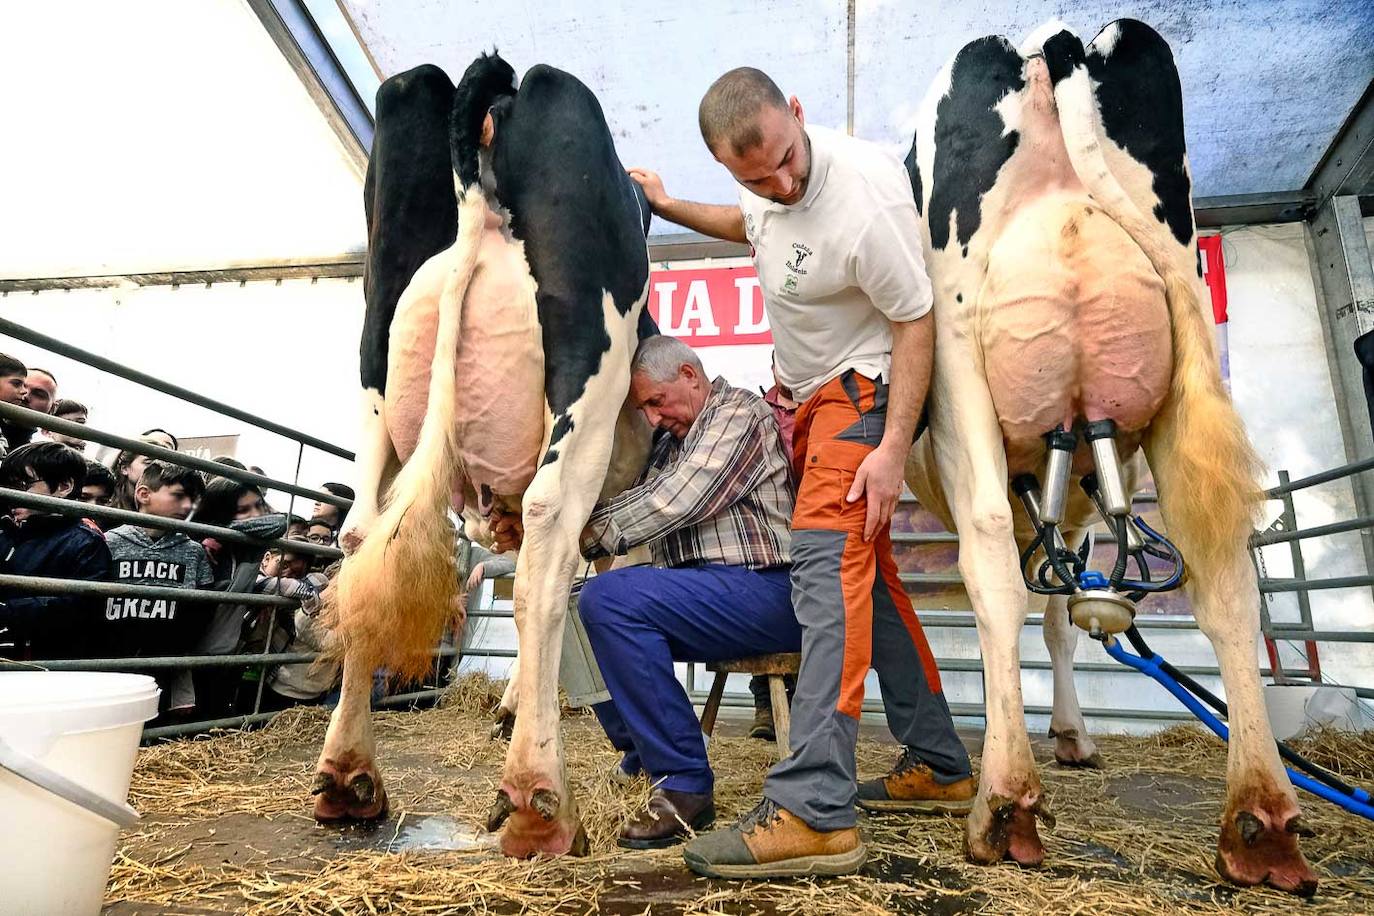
[[203, 598], [95, 360], [1286, 532]]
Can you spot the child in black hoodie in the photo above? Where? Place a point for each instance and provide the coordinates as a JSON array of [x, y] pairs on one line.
[[146, 554], [38, 543]]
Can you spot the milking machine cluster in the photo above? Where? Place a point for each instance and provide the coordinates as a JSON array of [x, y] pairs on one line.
[[1104, 605]]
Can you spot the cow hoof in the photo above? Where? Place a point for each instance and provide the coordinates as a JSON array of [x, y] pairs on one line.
[[503, 726], [1001, 828], [1091, 761], [501, 809], [1260, 847], [545, 803], [1075, 751], [348, 793], [537, 823], [528, 835]]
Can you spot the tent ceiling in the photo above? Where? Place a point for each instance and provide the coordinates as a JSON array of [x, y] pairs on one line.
[[1266, 86], [176, 136], [162, 134]]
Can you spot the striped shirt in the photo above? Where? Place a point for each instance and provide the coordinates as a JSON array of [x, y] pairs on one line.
[[722, 495]]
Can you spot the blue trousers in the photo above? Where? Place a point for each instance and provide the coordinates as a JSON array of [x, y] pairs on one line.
[[641, 620]]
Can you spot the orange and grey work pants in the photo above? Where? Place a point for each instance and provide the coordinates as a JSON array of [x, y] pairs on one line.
[[854, 614]]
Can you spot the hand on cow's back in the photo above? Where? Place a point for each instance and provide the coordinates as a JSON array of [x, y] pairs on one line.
[[652, 185]]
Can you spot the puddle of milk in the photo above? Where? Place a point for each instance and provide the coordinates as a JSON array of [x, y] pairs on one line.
[[438, 832]]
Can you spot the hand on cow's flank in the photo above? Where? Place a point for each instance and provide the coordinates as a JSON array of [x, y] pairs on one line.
[[652, 186], [879, 478]]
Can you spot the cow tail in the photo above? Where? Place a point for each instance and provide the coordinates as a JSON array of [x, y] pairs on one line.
[[487, 81], [1208, 489], [394, 596]]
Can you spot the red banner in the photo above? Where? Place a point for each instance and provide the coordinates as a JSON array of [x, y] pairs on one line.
[[1214, 272], [723, 306], [709, 306]]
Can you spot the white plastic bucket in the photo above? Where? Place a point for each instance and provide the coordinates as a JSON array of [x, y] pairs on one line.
[[76, 733]]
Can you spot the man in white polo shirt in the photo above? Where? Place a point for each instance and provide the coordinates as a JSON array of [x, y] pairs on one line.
[[835, 238]]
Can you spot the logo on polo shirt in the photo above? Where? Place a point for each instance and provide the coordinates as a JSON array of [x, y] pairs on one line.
[[800, 253]]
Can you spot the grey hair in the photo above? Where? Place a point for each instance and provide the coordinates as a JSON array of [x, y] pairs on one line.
[[661, 357]]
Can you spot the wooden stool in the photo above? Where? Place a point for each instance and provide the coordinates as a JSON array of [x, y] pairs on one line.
[[774, 666]]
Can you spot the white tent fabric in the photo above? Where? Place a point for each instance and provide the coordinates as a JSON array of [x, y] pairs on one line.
[[161, 135], [1266, 86]]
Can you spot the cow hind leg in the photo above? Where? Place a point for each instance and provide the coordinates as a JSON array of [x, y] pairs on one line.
[[348, 785], [973, 470], [1261, 822], [1002, 822], [535, 794], [1073, 747]]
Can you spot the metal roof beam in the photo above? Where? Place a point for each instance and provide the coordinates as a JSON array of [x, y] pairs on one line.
[[307, 51], [1252, 209], [1347, 168], [1210, 212], [349, 264]]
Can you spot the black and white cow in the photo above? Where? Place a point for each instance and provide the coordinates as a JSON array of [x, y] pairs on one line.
[[1054, 191], [507, 273]]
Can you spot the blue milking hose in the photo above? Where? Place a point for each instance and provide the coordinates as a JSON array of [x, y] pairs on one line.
[[1358, 802]]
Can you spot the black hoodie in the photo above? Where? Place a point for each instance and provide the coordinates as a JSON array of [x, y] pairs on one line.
[[57, 626]]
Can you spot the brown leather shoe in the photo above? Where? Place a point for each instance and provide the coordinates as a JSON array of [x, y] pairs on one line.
[[772, 842], [668, 819], [911, 786]]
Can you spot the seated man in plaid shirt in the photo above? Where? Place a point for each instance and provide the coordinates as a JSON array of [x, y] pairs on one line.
[[714, 506]]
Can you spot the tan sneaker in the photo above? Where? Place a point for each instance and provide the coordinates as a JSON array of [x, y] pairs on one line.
[[772, 842], [911, 786]]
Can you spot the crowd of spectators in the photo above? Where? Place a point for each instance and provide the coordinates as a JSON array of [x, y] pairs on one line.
[[160, 623]]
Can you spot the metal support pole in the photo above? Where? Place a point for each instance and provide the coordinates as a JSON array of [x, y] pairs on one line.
[[1344, 277], [1290, 523]]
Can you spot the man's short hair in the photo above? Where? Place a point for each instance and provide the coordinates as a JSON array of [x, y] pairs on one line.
[[339, 489], [728, 113], [97, 475], [64, 407], [11, 366], [661, 357], [159, 474], [33, 369], [51, 462]]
